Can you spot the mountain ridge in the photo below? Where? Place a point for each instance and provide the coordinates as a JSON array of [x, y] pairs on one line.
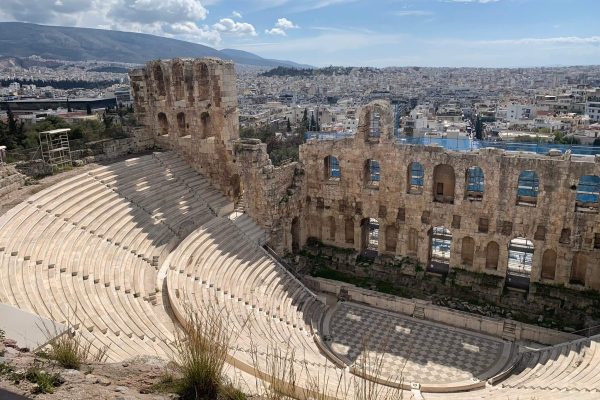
[[22, 39]]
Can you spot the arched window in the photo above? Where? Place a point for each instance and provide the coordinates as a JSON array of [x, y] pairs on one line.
[[588, 194], [391, 238], [413, 241], [349, 230], [578, 269], [416, 176], [202, 74], [163, 124], [372, 173], [370, 236], [181, 124], [374, 124], [474, 184], [520, 260], [528, 187], [331, 226], [295, 235], [177, 77], [332, 168], [492, 253], [159, 80], [467, 251], [443, 183], [439, 254], [549, 264]]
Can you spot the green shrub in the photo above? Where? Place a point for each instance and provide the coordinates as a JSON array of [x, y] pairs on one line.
[[201, 351], [45, 382], [70, 351]]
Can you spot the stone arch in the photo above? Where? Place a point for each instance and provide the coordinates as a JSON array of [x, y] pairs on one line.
[[528, 188], [579, 269], [235, 185], [332, 228], [413, 241], [439, 251], [203, 79], [520, 262], [549, 264], [315, 227], [372, 173], [415, 176], [331, 168], [163, 124], [369, 229], [588, 194], [178, 80], [295, 230], [159, 80], [181, 124], [444, 181], [349, 230], [475, 183], [391, 238], [492, 254], [374, 123], [467, 250]]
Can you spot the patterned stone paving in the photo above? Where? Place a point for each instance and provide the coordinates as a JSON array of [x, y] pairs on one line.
[[413, 351]]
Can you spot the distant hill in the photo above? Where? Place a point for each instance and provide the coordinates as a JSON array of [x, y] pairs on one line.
[[19, 39]]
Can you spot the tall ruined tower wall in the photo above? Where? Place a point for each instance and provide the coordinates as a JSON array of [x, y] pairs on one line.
[[190, 106]]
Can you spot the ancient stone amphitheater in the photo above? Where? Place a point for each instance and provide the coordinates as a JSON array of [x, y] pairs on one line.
[[122, 251]]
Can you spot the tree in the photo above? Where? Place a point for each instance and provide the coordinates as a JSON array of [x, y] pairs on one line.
[[478, 128], [5, 138], [289, 126], [305, 120], [313, 123], [69, 109], [88, 109], [16, 130]]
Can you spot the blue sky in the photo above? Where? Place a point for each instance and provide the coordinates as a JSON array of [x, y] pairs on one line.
[[487, 33]]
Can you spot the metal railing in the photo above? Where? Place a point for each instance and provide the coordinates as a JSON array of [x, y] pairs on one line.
[[467, 144]]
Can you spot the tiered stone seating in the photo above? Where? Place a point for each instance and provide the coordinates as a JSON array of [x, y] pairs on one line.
[[86, 251], [573, 366], [267, 307]]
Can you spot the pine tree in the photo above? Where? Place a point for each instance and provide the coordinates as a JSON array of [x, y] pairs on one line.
[[88, 109], [289, 126], [478, 128], [69, 109], [313, 124], [16, 130]]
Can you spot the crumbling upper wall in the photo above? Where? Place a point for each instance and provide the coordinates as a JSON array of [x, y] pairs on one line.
[[274, 196], [190, 105]]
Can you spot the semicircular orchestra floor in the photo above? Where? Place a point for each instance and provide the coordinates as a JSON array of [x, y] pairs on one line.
[[402, 349]]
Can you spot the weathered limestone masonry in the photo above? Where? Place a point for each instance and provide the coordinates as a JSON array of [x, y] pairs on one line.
[[10, 180], [482, 224], [191, 106], [274, 195]]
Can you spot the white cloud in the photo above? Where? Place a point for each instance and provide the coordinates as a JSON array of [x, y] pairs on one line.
[[281, 26], [413, 13], [551, 41], [229, 26], [179, 19], [148, 11], [472, 1], [236, 14]]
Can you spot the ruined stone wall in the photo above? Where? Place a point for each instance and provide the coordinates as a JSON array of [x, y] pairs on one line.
[[190, 106], [274, 196], [335, 207]]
